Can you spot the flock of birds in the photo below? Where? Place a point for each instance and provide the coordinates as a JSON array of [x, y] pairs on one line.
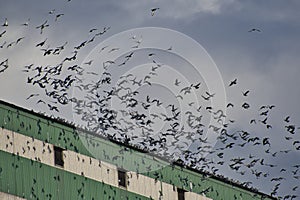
[[133, 123]]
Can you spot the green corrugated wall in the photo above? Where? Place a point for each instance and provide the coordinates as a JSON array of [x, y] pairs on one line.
[[33, 180], [74, 140], [69, 138], [217, 190]]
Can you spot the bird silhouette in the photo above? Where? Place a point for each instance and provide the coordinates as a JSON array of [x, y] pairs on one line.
[[42, 26], [40, 44], [58, 16], [246, 105], [254, 30], [54, 108], [3, 32], [4, 66], [32, 95], [153, 11], [26, 23], [5, 22], [246, 93], [234, 82]]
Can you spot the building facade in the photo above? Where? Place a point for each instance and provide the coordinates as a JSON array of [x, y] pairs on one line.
[[44, 158]]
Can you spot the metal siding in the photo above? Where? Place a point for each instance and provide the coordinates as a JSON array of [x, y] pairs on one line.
[[100, 190], [19, 180], [19, 173], [89, 190], [4, 174], [216, 189], [62, 184], [26, 176], [6, 118], [12, 176]]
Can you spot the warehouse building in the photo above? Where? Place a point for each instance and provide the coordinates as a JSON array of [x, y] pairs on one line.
[[45, 158]]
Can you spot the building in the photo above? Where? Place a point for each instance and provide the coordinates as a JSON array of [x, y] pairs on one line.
[[44, 158]]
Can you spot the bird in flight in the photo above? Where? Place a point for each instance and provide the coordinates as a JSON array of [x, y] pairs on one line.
[[170, 48], [1, 34], [177, 82], [246, 93], [19, 39], [254, 30], [42, 26], [51, 11], [197, 86], [4, 43], [287, 119], [151, 54], [58, 16], [92, 30], [89, 62], [32, 95], [229, 105], [114, 49], [53, 108], [41, 43], [26, 23], [153, 10], [246, 105], [4, 64], [234, 82], [5, 22]]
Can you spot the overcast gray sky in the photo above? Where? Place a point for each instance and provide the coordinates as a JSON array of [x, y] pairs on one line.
[[267, 62]]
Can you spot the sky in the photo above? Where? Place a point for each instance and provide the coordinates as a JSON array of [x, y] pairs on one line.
[[265, 62]]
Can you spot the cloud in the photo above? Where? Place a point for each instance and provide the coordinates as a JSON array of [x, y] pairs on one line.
[[205, 6], [181, 8]]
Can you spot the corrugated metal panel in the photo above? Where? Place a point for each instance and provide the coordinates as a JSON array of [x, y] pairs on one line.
[[212, 188], [67, 138], [18, 173], [6, 118], [31, 180]]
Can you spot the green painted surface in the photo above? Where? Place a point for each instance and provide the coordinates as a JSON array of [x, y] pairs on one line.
[[74, 140], [65, 136], [211, 187], [33, 180]]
